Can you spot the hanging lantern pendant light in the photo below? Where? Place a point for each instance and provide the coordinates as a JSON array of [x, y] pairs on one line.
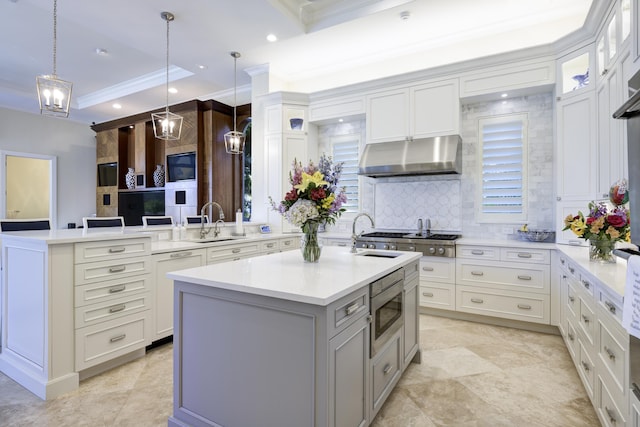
[[234, 140], [54, 95], [166, 125]]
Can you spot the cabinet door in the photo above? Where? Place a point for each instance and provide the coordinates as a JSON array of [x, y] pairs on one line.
[[163, 301], [577, 148], [348, 375], [411, 329], [388, 116], [435, 109]]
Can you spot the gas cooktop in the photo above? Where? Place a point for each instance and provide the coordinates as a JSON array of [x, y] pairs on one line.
[[400, 235]]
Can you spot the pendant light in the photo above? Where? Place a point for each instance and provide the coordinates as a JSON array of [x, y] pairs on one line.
[[54, 95], [234, 140], [167, 126]]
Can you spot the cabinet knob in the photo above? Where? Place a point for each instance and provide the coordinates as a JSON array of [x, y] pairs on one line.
[[387, 368], [610, 353]]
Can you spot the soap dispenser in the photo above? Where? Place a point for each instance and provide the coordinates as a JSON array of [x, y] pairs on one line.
[[239, 225]]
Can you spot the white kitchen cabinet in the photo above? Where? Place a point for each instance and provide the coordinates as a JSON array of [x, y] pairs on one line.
[[419, 111], [411, 328], [386, 369], [613, 37], [575, 71], [337, 108], [634, 404], [163, 286], [437, 282]]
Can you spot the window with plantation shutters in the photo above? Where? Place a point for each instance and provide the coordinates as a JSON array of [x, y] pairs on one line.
[[345, 150], [503, 172]]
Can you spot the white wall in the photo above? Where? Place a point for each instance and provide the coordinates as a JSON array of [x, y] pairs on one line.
[[75, 148]]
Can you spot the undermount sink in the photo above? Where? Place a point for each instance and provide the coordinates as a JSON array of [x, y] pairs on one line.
[[214, 239], [379, 254]]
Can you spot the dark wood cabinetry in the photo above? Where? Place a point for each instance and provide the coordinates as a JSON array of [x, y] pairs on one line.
[[130, 143]]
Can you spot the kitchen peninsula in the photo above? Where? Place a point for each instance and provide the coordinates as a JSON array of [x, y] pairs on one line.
[[275, 341]]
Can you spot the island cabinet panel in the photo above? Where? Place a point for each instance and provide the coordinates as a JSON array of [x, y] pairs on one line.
[[411, 327], [386, 369]]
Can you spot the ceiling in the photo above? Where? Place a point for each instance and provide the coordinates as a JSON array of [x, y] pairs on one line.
[[321, 44]]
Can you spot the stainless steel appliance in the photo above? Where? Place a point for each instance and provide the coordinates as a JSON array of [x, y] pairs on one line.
[[442, 245], [386, 301]]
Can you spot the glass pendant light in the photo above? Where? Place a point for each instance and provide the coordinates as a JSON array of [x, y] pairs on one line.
[[166, 125], [54, 95], [234, 140]]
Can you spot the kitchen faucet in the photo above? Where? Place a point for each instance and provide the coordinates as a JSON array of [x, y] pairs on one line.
[[203, 232], [354, 236]]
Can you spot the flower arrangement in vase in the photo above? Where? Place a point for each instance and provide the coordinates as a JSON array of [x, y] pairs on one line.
[[314, 199], [604, 225]]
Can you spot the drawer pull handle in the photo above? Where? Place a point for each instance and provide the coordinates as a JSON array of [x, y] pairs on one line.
[[572, 270], [477, 273], [611, 415], [562, 261], [343, 244], [586, 366], [117, 269], [523, 277], [387, 368], [180, 254], [477, 252], [269, 245], [237, 259], [117, 308], [118, 338], [572, 298], [428, 294], [585, 319], [427, 268], [586, 284], [117, 250], [117, 289], [610, 306], [524, 306], [477, 300], [571, 337], [288, 242], [235, 251], [610, 353], [352, 308], [524, 255]]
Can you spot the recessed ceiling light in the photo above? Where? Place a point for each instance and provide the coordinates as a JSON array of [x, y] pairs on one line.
[[272, 38], [102, 52], [117, 106], [340, 120], [202, 67], [504, 95], [173, 90], [131, 126], [405, 14]]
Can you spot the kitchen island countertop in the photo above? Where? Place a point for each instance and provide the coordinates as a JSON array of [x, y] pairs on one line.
[[286, 276]]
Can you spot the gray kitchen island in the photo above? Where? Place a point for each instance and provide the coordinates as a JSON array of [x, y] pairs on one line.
[[275, 341]]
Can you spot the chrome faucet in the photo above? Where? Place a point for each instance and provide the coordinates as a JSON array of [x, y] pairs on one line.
[[203, 232], [354, 236], [419, 233], [427, 227]]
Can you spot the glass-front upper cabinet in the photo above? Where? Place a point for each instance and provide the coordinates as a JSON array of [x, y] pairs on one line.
[[573, 70], [613, 36]]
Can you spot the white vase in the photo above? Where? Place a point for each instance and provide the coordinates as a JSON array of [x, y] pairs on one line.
[[158, 176], [130, 179]]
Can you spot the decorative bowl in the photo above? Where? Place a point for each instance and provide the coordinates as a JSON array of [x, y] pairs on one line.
[[535, 235]]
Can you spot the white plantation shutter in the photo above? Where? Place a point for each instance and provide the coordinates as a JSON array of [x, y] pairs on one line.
[[346, 151], [503, 173]]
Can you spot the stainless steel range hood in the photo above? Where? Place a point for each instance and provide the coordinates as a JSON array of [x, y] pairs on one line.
[[425, 156]]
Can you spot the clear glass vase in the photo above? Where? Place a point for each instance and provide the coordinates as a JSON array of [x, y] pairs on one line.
[[601, 250], [309, 244]]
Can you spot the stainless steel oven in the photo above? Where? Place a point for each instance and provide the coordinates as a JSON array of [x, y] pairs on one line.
[[387, 302]]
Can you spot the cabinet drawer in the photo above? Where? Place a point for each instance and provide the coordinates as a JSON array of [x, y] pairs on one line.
[[104, 341], [477, 252], [437, 269], [609, 307], [269, 247], [586, 369], [111, 309], [437, 295], [347, 310], [573, 300], [517, 277], [231, 252], [572, 341], [113, 269], [535, 256], [527, 307], [587, 286], [612, 354], [587, 322], [111, 249], [107, 290], [289, 243], [385, 371], [609, 408]]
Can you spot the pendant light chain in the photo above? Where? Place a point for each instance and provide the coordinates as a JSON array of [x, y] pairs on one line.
[[235, 87], [167, 88], [55, 36]]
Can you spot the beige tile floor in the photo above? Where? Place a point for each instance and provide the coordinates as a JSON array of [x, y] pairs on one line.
[[472, 375]]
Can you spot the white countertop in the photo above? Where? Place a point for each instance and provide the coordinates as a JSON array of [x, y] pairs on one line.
[[63, 236], [286, 276], [511, 243]]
